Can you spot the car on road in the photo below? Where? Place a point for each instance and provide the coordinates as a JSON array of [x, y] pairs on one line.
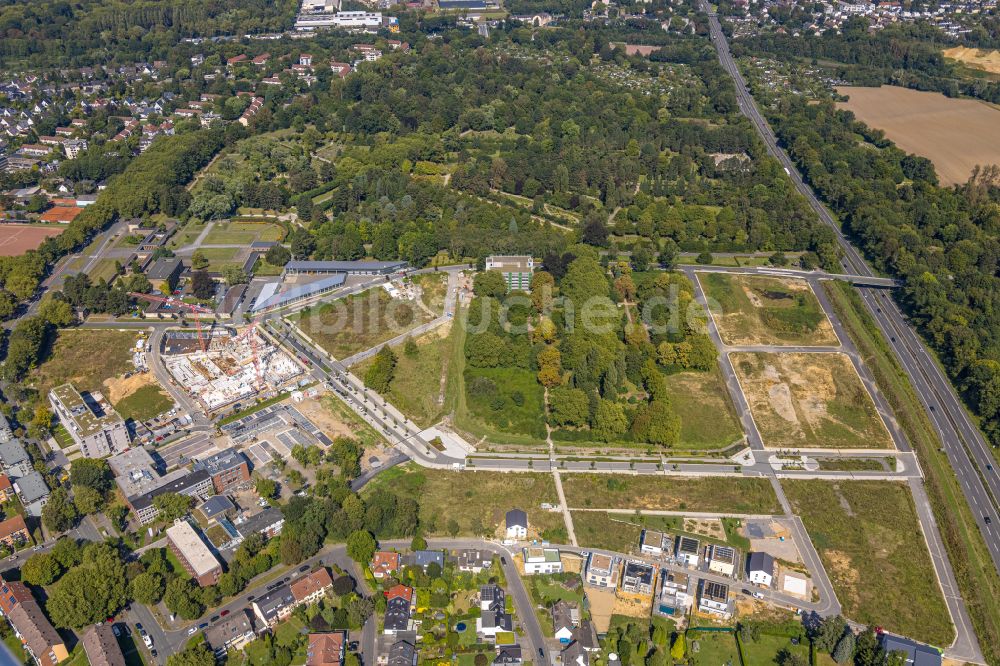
[[116, 630], [192, 630], [153, 652], [203, 625], [304, 567], [503, 561], [987, 520], [541, 653], [989, 467], [138, 626], [251, 598], [224, 613], [147, 640], [215, 618]]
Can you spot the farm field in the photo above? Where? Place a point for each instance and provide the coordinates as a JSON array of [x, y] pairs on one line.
[[954, 134], [416, 387], [984, 59], [757, 309], [729, 495], [475, 501], [695, 394], [359, 322], [869, 539], [809, 401], [17, 239]]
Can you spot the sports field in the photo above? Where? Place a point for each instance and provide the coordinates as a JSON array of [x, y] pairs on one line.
[[955, 134], [812, 400], [17, 239]]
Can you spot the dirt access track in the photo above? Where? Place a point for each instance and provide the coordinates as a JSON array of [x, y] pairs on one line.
[[801, 400], [954, 134]]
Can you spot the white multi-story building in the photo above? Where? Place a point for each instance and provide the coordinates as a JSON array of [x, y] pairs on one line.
[[95, 426], [542, 561]]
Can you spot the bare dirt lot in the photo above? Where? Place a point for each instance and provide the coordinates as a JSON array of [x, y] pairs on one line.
[[17, 239], [810, 401], [986, 60], [955, 134]]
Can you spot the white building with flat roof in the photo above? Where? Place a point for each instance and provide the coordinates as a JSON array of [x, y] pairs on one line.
[[542, 561], [94, 425]]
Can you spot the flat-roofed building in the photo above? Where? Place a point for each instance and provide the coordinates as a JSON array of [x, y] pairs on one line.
[[102, 647], [94, 425], [193, 484], [652, 542], [516, 270], [326, 649], [714, 598], [268, 522], [232, 633], [348, 267], [194, 555], [688, 551], [602, 570], [228, 468], [676, 593], [542, 561], [721, 559], [638, 577]]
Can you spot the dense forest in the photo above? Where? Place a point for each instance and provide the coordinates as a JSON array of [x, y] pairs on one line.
[[942, 241], [901, 54]]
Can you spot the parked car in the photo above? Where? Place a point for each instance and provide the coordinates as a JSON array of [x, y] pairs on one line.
[[215, 618], [224, 613], [147, 640], [192, 630], [304, 567]]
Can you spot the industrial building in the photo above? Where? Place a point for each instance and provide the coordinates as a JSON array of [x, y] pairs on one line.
[[271, 297], [93, 424], [346, 267], [196, 557], [516, 270]]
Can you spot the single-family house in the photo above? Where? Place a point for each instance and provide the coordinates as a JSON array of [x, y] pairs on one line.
[[474, 560], [760, 569], [399, 607], [688, 551], [565, 618], [541, 560], [384, 563], [721, 559], [425, 558], [652, 543], [602, 570], [637, 577], [714, 599], [326, 649], [517, 524]]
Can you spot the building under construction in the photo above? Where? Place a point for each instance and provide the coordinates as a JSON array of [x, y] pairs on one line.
[[231, 367]]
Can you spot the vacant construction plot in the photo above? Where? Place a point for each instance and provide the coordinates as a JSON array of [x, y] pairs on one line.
[[16, 239], [735, 495], [473, 502], [695, 394], [955, 134], [809, 401], [138, 397], [359, 322], [243, 232], [870, 541], [757, 309], [73, 359], [984, 59]]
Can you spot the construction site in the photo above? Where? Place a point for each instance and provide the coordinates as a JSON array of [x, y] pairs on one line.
[[220, 368]]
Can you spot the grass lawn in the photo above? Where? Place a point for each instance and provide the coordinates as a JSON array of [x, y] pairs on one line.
[[148, 401], [262, 268], [757, 309], [809, 401], [713, 648], [526, 418], [72, 359], [362, 432], [359, 322], [104, 269], [62, 436], [476, 501], [219, 257], [175, 563], [854, 464], [762, 652], [725, 495], [596, 529], [78, 657], [459, 404], [244, 233], [868, 536], [695, 394], [416, 387]]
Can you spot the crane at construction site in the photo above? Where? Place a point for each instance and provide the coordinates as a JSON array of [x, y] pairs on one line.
[[180, 306]]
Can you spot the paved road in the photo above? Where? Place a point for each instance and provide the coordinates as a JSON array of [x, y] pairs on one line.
[[963, 442]]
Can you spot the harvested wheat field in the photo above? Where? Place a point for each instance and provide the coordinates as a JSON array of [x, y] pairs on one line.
[[954, 134], [809, 401], [986, 60]]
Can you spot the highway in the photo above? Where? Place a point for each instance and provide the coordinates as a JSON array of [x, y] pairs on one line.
[[964, 445]]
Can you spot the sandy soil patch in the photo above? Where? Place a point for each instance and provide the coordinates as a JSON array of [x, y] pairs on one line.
[[333, 427], [955, 134], [119, 388], [839, 567], [572, 563], [986, 60], [602, 607], [632, 605], [810, 400]]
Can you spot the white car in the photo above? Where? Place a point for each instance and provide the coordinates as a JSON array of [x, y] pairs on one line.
[[147, 640]]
